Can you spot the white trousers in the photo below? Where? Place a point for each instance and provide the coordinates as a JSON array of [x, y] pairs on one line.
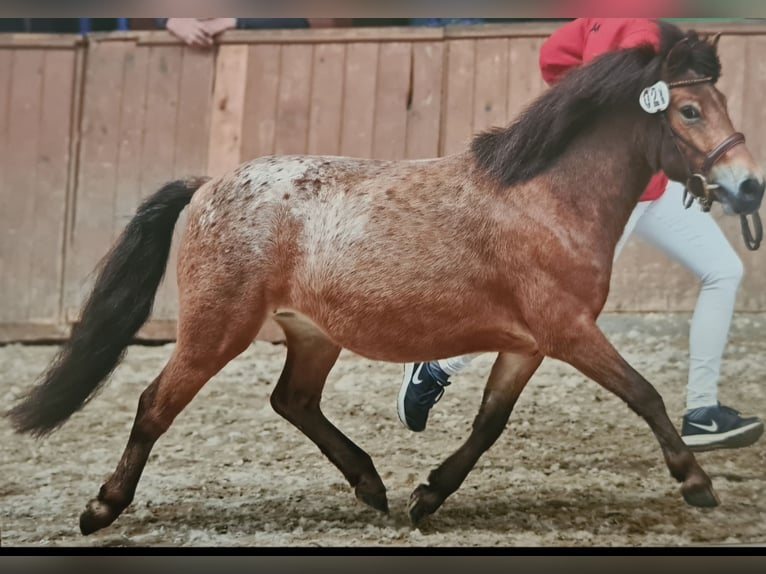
[[693, 239]]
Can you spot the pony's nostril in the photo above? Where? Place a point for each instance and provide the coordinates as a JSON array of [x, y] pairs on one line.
[[751, 188]]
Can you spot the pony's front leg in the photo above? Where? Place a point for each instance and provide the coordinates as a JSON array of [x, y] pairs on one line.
[[310, 356], [508, 378], [586, 348]]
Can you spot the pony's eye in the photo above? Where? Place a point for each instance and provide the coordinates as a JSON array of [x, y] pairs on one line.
[[690, 113]]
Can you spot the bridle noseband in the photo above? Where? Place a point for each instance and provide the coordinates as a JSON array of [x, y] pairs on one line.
[[697, 186]]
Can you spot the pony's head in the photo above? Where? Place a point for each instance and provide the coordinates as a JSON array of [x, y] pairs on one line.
[[685, 123], [700, 147]]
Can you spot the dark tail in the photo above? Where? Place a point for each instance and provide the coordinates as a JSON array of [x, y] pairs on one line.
[[120, 303]]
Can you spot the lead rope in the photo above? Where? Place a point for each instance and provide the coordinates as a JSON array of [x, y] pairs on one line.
[[752, 242]]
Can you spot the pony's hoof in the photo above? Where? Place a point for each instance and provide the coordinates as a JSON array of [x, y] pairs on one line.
[[97, 515], [374, 498], [423, 503], [700, 495]]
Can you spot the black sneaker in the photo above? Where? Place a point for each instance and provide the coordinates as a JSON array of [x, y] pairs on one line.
[[422, 387], [710, 428]]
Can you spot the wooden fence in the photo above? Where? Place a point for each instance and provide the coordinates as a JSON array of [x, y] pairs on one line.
[[39, 102], [89, 127]]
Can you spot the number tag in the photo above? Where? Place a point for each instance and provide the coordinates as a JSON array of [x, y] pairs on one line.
[[655, 98]]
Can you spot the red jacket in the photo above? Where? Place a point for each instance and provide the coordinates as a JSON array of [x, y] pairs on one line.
[[581, 40]]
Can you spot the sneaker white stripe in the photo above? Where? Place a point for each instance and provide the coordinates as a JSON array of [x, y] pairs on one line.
[[712, 427], [708, 438]]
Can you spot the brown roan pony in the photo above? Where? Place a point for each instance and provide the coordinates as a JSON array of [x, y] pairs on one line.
[[506, 247]]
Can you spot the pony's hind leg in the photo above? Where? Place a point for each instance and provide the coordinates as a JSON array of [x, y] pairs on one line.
[[209, 337], [310, 356], [586, 348], [507, 380]]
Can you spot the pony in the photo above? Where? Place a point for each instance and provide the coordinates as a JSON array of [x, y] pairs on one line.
[[504, 247]]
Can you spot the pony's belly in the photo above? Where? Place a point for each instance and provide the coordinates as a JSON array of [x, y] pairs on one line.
[[402, 339]]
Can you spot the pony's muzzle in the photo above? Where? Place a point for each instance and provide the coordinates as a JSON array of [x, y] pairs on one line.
[[750, 194], [739, 197], [742, 199]]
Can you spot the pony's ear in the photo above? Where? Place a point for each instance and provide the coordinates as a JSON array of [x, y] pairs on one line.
[[714, 40], [678, 55]]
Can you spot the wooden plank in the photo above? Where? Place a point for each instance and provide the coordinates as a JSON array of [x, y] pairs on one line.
[[752, 295], [754, 67], [525, 81], [491, 83], [424, 118], [20, 180], [326, 99], [294, 100], [195, 102], [457, 120], [160, 117], [732, 51], [70, 208], [159, 145], [134, 36], [228, 109], [359, 99], [314, 35], [510, 30], [750, 28], [6, 73], [46, 250], [259, 120], [8, 199], [392, 100], [75, 135], [27, 332], [94, 199], [131, 121], [40, 41]]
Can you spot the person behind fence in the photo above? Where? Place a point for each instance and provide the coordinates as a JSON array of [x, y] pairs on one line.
[[690, 237], [200, 32]]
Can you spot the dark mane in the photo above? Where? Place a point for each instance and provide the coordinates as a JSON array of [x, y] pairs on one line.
[[544, 130]]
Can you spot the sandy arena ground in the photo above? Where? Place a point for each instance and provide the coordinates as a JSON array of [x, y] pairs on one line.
[[575, 466]]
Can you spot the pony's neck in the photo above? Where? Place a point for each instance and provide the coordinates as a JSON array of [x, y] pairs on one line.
[[606, 171]]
